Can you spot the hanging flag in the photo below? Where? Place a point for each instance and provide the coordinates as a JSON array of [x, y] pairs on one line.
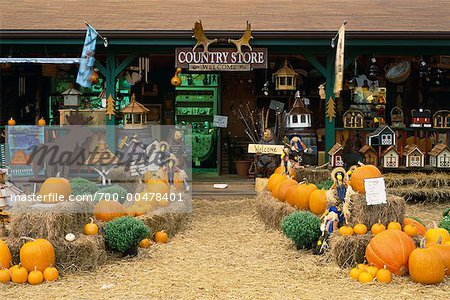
[[339, 63], [87, 58]]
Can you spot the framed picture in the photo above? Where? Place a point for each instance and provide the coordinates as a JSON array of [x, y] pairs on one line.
[[154, 115]]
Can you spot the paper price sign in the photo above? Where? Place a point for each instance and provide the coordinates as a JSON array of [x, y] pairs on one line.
[[220, 121], [375, 191]]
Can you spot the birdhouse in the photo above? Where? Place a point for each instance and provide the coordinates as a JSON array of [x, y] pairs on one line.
[[299, 116], [421, 118], [397, 118], [134, 115], [285, 78], [441, 119], [72, 97], [353, 118]]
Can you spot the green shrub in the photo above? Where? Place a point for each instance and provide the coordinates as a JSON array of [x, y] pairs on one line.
[[326, 185], [445, 222], [303, 228], [116, 192], [81, 186], [124, 233]]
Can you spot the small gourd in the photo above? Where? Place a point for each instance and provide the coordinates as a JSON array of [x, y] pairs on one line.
[[365, 277], [51, 274], [5, 275], [145, 243], [372, 270], [70, 237], [355, 272], [11, 122], [394, 226], [41, 122], [161, 237], [176, 80], [90, 228], [384, 275], [19, 274], [346, 230], [410, 230], [377, 228], [360, 229]]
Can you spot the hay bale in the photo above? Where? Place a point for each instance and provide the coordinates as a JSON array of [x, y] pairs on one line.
[[347, 251], [260, 184], [170, 222], [312, 175], [360, 212], [271, 211], [51, 221]]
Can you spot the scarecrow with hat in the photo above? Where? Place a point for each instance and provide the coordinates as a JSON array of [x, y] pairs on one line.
[[169, 169]]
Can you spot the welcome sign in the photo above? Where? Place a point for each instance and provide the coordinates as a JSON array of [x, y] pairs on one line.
[[220, 59]]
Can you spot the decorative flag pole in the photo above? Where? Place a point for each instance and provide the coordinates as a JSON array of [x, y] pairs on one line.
[[339, 63], [105, 41]]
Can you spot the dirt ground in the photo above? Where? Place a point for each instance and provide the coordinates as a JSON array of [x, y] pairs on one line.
[[227, 253]]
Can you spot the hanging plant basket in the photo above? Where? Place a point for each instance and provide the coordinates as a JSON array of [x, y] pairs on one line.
[[398, 72]]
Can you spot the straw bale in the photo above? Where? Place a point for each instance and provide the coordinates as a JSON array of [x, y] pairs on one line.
[[272, 211]]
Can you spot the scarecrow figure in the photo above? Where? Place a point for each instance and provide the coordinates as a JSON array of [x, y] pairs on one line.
[[163, 154], [169, 170], [330, 222], [297, 147], [339, 177], [286, 160], [266, 163]]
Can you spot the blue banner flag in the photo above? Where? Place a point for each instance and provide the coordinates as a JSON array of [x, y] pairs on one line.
[[87, 58]]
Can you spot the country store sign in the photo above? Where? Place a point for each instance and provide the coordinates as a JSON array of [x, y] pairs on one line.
[[220, 59]]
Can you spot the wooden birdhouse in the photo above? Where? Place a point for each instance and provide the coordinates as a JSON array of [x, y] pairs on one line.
[[134, 115], [441, 119], [421, 118], [397, 118], [382, 136], [440, 156], [72, 97], [299, 116], [370, 155], [353, 118], [413, 157], [335, 155], [390, 158], [285, 78]]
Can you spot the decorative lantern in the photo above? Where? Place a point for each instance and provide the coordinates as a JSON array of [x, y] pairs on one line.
[[134, 115], [72, 97], [286, 78]]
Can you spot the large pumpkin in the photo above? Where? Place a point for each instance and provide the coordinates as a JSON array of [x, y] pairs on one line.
[[426, 266], [421, 229], [361, 173], [390, 248], [283, 188], [5, 255], [318, 202], [108, 210], [274, 179], [55, 189], [37, 253], [444, 252], [158, 186], [302, 193]]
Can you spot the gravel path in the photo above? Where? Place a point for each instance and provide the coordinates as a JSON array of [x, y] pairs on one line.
[[225, 254]]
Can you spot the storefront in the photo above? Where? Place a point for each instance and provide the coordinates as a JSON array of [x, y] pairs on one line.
[[393, 76]]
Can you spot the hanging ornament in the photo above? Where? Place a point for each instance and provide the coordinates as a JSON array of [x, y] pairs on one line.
[[176, 80], [331, 112], [110, 107], [41, 122], [94, 77], [322, 91]]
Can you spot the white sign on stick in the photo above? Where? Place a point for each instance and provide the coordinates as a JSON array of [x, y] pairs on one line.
[[375, 191], [265, 149]]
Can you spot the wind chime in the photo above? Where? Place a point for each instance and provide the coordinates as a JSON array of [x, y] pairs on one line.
[[144, 67]]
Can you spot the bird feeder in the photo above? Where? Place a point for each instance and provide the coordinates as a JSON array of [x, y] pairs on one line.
[[299, 116], [72, 97], [134, 115], [285, 78]]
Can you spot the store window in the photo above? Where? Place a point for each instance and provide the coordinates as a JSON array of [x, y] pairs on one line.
[[444, 161], [415, 161]]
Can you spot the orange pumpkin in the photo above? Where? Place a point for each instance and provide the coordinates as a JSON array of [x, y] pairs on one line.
[[145, 243], [372, 270], [94, 77], [178, 182], [5, 255], [345, 230], [37, 253], [35, 277], [410, 230], [384, 275], [302, 193], [432, 235], [318, 202], [55, 189], [108, 210], [158, 186], [90, 228], [19, 274], [444, 252], [274, 180], [161, 237], [355, 272], [390, 248], [365, 277], [277, 185], [420, 227], [360, 229], [5, 275], [280, 170], [377, 228], [426, 266], [51, 274], [283, 188], [394, 226], [11, 122], [361, 173], [41, 122]]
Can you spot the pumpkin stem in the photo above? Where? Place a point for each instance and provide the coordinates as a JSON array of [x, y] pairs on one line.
[[27, 238], [422, 242], [439, 240], [435, 225], [92, 220], [360, 164], [58, 174], [305, 180]]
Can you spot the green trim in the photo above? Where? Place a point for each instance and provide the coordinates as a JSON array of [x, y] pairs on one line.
[[100, 67], [330, 137], [313, 61], [129, 59]]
